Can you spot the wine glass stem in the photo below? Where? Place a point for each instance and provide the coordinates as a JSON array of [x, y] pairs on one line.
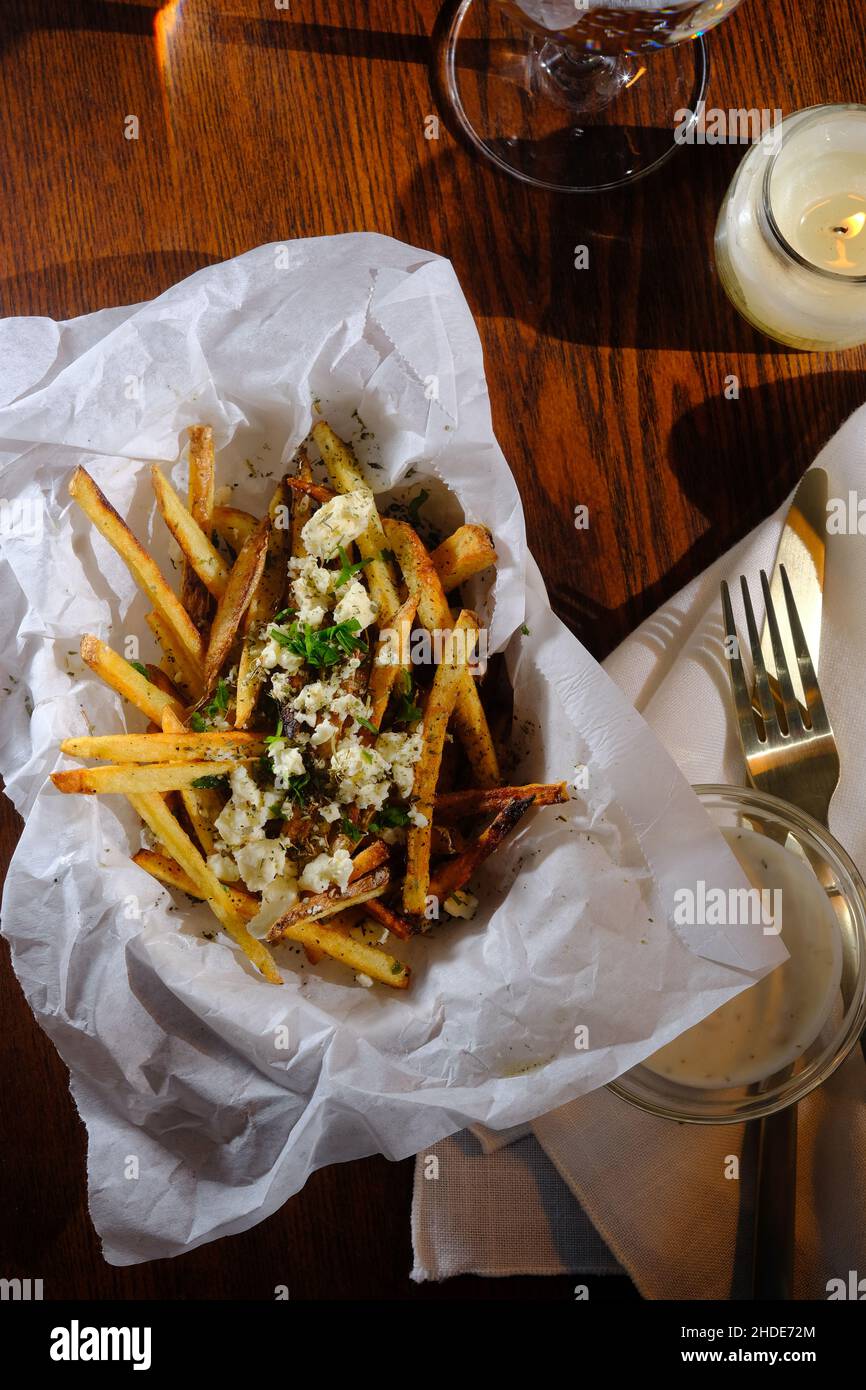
[[584, 81]]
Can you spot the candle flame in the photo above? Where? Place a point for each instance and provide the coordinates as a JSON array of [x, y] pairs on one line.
[[853, 225]]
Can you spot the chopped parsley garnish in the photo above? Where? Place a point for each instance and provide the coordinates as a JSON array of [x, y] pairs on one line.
[[142, 670], [406, 712], [212, 780], [273, 738], [323, 646], [388, 818], [296, 787], [283, 614], [388, 556], [366, 724], [524, 629], [347, 571], [220, 702], [414, 506], [396, 968], [348, 828], [196, 723]]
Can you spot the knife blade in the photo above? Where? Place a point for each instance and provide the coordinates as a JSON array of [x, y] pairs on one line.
[[801, 550]]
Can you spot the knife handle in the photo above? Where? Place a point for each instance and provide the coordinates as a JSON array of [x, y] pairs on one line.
[[775, 1206]]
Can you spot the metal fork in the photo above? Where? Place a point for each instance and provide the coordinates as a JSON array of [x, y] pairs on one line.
[[793, 757]]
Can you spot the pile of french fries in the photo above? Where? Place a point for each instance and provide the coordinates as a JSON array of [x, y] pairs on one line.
[[210, 712]]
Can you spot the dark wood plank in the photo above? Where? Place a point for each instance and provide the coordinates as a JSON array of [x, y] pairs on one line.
[[607, 388]]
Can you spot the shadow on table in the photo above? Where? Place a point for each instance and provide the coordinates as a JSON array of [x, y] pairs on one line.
[[69, 288], [736, 461], [650, 281]]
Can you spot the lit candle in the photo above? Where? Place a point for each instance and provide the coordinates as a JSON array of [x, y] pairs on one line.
[[791, 237]]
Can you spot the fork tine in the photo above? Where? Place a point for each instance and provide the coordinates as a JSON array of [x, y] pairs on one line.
[[808, 677], [766, 703], [790, 703], [746, 726]]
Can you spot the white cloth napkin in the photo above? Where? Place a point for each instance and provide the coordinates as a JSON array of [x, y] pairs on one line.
[[656, 1192]]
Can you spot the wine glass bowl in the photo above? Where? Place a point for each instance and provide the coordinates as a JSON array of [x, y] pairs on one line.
[[573, 95]]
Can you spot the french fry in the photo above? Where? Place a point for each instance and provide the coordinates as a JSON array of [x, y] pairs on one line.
[[154, 812], [202, 804], [449, 807], [117, 672], [396, 924], [319, 905], [346, 476], [441, 702], [366, 860], [302, 506], [470, 721], [180, 747], [457, 872], [233, 525], [139, 777], [357, 955], [143, 569], [198, 551], [243, 579], [168, 871], [179, 666], [465, 553], [311, 489], [266, 601], [202, 476], [160, 678], [392, 656]]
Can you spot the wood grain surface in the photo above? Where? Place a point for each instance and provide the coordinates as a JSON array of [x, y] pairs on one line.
[[607, 388]]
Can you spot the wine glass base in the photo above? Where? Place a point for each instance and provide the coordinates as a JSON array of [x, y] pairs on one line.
[[576, 124]]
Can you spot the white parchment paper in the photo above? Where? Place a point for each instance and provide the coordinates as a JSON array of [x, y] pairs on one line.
[[226, 1091]]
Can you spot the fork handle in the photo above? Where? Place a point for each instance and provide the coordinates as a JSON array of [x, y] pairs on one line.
[[775, 1206]]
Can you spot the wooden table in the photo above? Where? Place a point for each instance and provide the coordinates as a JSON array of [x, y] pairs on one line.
[[608, 388]]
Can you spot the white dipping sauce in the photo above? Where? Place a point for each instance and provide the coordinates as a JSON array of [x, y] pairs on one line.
[[769, 1025]]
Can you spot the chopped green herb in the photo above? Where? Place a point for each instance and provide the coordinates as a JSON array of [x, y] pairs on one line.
[[283, 614], [272, 738], [197, 723], [348, 571], [212, 780], [388, 556], [415, 506], [325, 646], [297, 787], [397, 968], [365, 724], [136, 666], [347, 827], [525, 630], [366, 755], [220, 702], [406, 712], [388, 818]]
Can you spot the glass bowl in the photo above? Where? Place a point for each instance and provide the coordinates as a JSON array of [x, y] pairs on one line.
[[660, 1095]]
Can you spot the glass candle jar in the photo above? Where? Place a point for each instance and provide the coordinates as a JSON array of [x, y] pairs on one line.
[[791, 235]]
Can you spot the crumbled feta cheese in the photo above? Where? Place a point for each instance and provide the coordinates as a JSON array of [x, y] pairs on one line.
[[274, 655], [324, 731], [286, 761], [461, 904], [364, 981], [326, 869], [355, 603], [260, 863], [224, 867], [277, 897], [418, 818], [362, 774], [316, 696], [331, 812], [401, 752], [244, 815], [336, 523], [311, 587]]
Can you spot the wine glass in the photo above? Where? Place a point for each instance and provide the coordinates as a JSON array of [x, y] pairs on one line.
[[574, 95]]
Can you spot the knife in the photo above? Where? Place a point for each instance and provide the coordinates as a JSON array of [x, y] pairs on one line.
[[801, 551]]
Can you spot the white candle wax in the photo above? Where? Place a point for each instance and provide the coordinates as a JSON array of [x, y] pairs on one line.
[[791, 238]]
